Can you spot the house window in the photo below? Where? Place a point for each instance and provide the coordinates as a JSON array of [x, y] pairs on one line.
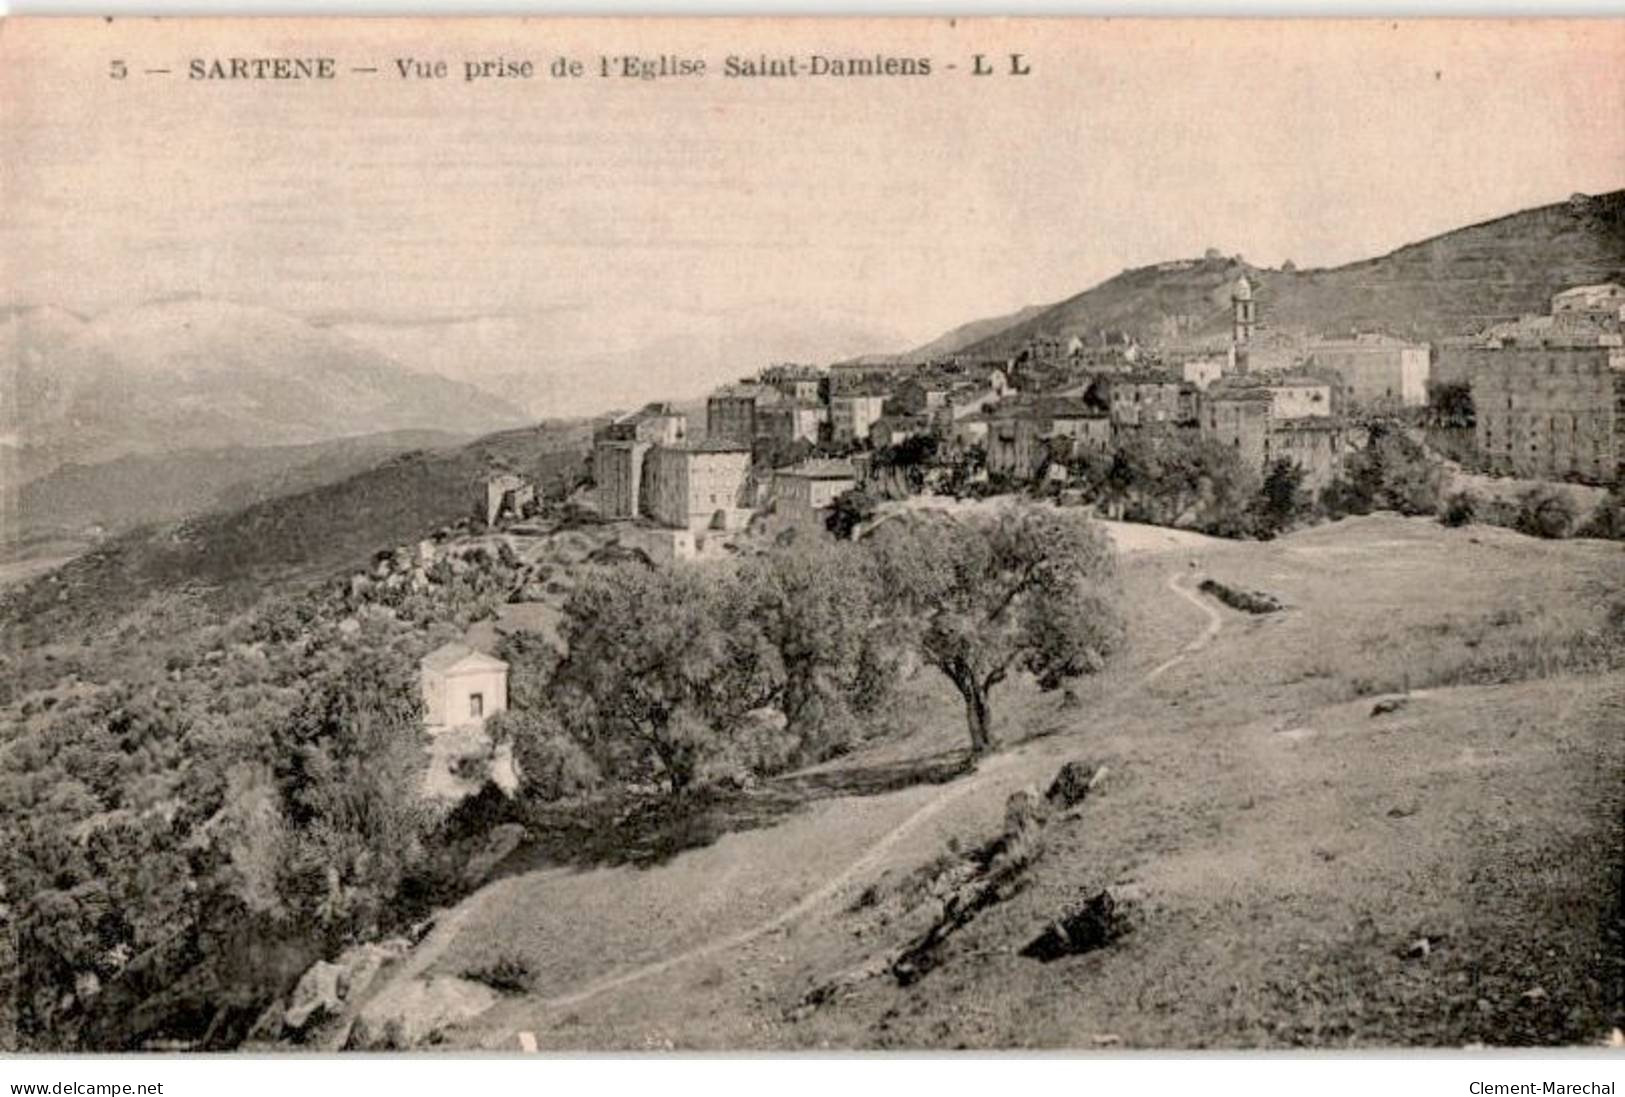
[[476, 706]]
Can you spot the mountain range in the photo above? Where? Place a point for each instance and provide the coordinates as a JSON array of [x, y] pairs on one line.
[[197, 374]]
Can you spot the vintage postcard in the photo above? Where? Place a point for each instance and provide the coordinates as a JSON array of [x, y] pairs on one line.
[[778, 535]]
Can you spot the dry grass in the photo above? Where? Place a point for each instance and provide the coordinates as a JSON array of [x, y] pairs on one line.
[[1290, 847]]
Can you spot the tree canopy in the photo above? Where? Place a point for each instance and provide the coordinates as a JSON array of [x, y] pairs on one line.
[[1030, 589]]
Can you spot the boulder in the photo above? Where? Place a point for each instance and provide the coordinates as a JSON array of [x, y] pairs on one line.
[[1097, 923], [359, 966], [316, 996], [414, 1013], [1072, 783]]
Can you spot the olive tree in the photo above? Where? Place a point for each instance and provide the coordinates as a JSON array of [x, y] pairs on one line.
[[1029, 588], [664, 666]]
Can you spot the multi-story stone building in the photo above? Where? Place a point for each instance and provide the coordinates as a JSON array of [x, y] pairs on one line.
[[789, 421], [1607, 299], [894, 430], [1550, 412], [1245, 419], [1021, 436], [795, 382], [1376, 371], [851, 415], [1147, 399], [699, 485], [1299, 397], [619, 452], [658, 423], [803, 494], [618, 474], [1204, 371], [731, 411]]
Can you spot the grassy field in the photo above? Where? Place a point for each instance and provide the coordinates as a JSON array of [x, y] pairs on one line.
[[1288, 851]]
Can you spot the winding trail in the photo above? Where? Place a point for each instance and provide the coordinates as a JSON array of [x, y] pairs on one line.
[[831, 887], [1215, 621]]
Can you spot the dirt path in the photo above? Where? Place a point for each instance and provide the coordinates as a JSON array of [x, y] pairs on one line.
[[865, 864], [1215, 621]]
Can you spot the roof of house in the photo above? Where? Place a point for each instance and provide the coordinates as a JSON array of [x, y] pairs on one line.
[[455, 653], [901, 422], [830, 468], [1595, 288], [745, 392], [1239, 395], [1309, 423], [1069, 407], [709, 445]]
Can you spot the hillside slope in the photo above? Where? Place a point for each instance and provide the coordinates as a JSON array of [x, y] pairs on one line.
[[150, 488], [1448, 285], [236, 556], [1281, 844]]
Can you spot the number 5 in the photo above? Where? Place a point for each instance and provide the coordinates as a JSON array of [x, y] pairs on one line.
[[118, 71]]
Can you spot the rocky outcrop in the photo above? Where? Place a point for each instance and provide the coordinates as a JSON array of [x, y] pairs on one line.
[[417, 1012], [328, 988]]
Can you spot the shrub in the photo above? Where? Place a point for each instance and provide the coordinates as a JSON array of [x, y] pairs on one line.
[[1248, 601], [850, 509], [1459, 509], [1544, 512], [509, 973], [1282, 501], [1607, 521]]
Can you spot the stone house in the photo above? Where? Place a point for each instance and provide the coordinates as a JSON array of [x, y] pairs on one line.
[[1315, 444], [893, 430], [1203, 372], [800, 383], [1145, 399], [1606, 299], [1298, 397], [1020, 435], [731, 411], [851, 414], [1376, 371], [789, 421], [506, 493], [656, 423], [461, 686], [971, 430], [803, 494], [699, 485], [618, 476], [1551, 412], [1245, 420]]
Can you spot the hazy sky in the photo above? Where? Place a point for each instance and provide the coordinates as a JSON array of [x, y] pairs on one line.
[[632, 212]]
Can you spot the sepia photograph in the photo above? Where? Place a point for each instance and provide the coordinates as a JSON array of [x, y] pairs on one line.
[[792, 536]]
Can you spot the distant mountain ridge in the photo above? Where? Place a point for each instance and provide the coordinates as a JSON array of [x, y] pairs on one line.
[[201, 374], [1450, 284]]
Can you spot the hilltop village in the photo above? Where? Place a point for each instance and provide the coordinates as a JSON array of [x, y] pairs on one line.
[[1541, 397]]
